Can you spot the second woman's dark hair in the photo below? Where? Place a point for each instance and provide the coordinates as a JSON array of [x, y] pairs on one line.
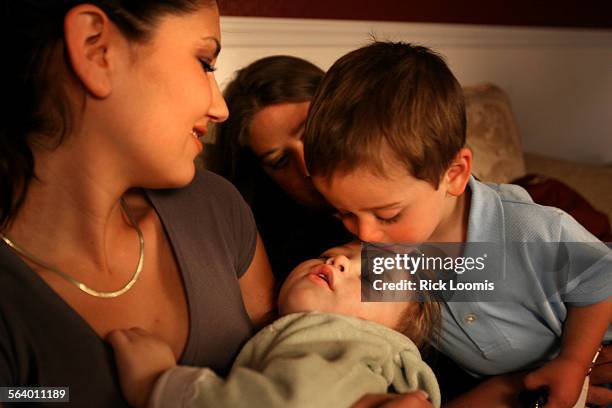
[[267, 81], [33, 51]]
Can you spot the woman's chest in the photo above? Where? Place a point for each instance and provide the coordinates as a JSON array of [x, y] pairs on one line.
[[161, 310], [157, 302]]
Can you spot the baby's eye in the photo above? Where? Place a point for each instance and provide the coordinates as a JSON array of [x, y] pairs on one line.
[[207, 66]]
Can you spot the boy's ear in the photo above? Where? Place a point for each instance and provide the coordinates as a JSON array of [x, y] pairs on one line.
[[458, 173], [87, 33]]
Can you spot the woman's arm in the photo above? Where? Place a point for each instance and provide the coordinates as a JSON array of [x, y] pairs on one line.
[[257, 287]]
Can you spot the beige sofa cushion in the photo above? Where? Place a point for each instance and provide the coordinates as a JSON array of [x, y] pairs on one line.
[[492, 135]]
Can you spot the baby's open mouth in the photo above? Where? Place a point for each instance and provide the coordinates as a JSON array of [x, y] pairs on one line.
[[325, 273]]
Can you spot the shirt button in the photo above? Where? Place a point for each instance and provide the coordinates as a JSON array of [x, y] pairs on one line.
[[469, 318]]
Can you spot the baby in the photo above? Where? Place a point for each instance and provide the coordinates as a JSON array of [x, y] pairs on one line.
[[328, 349]]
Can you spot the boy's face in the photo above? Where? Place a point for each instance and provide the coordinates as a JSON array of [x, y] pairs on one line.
[[332, 284], [397, 208]]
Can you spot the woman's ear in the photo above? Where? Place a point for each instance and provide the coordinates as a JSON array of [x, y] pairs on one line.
[[458, 173], [88, 34]]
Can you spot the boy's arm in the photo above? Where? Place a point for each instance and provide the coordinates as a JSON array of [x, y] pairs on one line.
[[582, 335], [584, 330]]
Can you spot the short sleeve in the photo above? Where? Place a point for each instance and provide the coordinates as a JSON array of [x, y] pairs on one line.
[[590, 265]]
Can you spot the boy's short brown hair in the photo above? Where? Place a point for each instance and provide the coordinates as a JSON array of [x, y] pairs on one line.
[[387, 96]]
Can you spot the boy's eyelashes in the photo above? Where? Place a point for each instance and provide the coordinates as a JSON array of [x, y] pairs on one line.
[[389, 220], [382, 220]]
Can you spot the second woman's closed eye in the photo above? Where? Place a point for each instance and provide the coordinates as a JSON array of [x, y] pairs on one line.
[[276, 162]]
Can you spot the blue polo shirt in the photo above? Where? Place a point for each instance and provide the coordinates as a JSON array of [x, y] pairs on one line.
[[491, 338]]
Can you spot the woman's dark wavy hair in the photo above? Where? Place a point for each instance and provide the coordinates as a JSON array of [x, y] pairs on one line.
[[33, 36], [267, 81]]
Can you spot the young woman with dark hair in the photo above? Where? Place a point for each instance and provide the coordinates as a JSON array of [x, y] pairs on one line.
[[259, 149], [103, 218]]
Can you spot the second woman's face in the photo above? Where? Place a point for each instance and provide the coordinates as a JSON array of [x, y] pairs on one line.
[[275, 136]]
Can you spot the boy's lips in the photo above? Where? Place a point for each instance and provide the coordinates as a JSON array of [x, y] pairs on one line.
[[323, 272]]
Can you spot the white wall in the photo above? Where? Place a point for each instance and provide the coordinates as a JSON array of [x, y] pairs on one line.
[[559, 80]]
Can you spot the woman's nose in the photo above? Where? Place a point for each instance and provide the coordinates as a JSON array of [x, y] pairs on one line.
[[218, 111], [298, 151]]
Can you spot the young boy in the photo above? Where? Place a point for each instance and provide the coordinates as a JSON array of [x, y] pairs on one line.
[[385, 144], [328, 359]]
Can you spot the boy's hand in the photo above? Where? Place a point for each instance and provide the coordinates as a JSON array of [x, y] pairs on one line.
[[562, 377], [141, 358]]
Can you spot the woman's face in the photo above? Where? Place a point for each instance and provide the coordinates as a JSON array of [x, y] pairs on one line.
[[275, 136], [165, 99]]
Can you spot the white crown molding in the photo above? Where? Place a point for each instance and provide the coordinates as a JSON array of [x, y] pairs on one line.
[[248, 32]]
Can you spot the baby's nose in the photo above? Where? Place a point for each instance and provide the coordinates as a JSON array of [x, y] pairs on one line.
[[340, 261]]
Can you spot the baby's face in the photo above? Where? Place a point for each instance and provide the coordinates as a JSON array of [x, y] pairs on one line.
[[332, 284]]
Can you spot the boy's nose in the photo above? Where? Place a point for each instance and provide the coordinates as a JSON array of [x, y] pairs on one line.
[[368, 232]]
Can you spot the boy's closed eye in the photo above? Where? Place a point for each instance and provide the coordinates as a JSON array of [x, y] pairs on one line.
[[389, 219], [382, 218]]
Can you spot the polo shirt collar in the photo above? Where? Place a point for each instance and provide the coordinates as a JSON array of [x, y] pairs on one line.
[[486, 217]]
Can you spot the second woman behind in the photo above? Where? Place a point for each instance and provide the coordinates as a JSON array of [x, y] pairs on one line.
[[259, 149]]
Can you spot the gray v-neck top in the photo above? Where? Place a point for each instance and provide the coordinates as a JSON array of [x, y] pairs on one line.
[[44, 342]]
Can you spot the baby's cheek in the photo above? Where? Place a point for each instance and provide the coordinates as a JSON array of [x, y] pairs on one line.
[[295, 299]]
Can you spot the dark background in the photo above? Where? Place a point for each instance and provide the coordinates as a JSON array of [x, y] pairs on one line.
[[560, 13]]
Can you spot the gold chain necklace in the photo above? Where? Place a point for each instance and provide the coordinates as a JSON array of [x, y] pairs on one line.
[[81, 285]]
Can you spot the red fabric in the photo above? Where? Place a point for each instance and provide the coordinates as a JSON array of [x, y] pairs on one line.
[[554, 193]]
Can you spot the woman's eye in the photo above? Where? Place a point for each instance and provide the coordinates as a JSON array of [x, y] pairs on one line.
[[341, 215], [206, 66], [279, 163]]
